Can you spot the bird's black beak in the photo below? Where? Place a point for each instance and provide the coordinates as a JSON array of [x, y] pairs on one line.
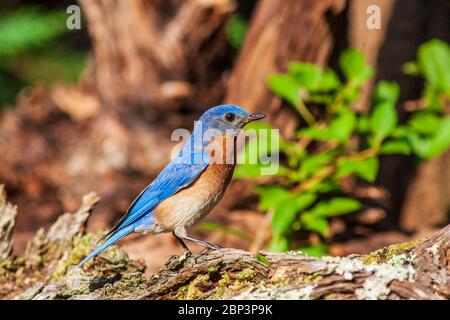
[[254, 116]]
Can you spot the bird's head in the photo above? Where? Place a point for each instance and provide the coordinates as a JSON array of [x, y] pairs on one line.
[[227, 118]]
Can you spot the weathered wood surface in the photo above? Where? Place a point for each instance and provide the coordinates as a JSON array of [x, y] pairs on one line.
[[418, 270], [146, 53]]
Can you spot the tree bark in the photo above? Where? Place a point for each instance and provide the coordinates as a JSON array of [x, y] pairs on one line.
[[417, 270], [145, 58]]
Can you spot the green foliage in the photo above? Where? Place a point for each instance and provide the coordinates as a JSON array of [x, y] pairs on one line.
[[28, 27], [317, 250], [236, 30], [309, 189], [354, 66], [30, 51]]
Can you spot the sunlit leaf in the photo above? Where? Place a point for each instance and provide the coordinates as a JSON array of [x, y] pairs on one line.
[[29, 27], [286, 87], [317, 250], [287, 210], [396, 147], [354, 66], [315, 223], [366, 169], [343, 125], [236, 30], [441, 140], [271, 196], [329, 81], [386, 91], [383, 120], [425, 122], [307, 75], [334, 207], [434, 63]]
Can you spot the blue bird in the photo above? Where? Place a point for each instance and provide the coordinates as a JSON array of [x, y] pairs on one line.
[[190, 185]]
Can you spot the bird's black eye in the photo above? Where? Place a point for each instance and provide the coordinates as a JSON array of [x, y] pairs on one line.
[[229, 116]]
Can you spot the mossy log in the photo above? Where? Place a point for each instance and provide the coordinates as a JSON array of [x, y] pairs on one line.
[[47, 270]]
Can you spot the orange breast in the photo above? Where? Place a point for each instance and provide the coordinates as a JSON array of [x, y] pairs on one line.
[[192, 203]]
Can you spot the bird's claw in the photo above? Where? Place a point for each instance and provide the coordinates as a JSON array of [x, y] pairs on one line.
[[185, 255], [211, 247]]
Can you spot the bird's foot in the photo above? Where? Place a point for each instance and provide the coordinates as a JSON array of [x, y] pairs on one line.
[[210, 247], [215, 247], [185, 255]]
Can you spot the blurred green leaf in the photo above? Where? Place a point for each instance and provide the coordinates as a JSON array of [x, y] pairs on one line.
[[29, 27], [316, 133], [315, 223], [317, 250], [271, 196], [329, 81], [411, 68], [396, 147], [441, 140], [342, 125], [431, 98], [425, 122], [325, 186], [434, 63], [354, 66], [334, 207], [286, 87], [431, 146], [386, 91], [313, 163], [366, 169], [306, 75], [279, 243], [363, 124], [420, 145], [236, 30], [287, 210], [383, 120]]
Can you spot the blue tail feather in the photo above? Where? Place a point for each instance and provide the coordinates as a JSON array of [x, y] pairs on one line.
[[119, 234]]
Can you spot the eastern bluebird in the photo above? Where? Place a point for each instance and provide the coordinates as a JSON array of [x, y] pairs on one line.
[[190, 185]]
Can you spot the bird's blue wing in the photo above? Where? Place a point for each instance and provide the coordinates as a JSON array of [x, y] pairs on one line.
[[175, 176], [178, 174]]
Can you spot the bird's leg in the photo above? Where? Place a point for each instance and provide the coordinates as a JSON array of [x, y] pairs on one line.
[[205, 244], [180, 233], [181, 242]]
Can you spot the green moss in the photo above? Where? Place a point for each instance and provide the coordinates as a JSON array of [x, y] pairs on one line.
[[261, 258], [81, 247], [183, 289], [213, 269], [247, 273], [387, 253], [225, 280], [193, 292]]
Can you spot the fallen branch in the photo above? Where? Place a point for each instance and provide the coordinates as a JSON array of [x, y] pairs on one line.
[[416, 270]]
